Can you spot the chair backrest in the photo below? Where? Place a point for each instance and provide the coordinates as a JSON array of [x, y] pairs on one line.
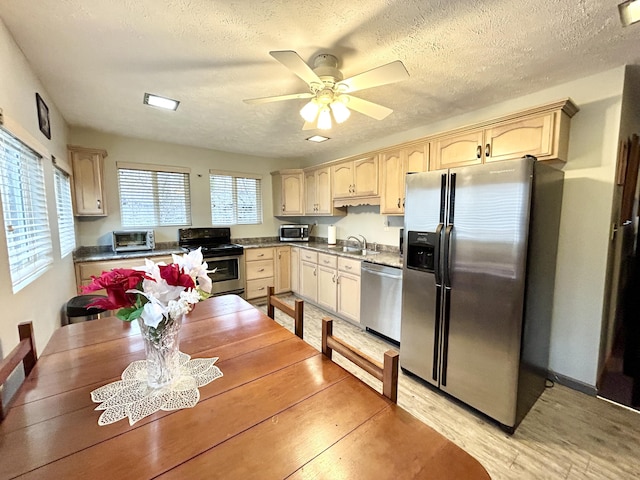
[[387, 372], [297, 313], [24, 352]]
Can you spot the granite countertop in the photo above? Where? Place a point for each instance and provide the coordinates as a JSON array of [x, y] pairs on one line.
[[84, 254], [388, 258]]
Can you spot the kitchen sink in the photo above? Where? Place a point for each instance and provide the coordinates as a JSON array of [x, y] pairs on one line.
[[353, 250]]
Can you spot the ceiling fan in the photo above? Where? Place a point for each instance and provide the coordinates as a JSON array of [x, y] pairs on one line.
[[329, 93]]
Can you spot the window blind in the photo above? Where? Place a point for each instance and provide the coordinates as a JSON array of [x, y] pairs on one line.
[[236, 198], [24, 206], [66, 229], [154, 197]]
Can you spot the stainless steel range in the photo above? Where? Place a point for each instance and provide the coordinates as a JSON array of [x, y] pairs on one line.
[[220, 254]]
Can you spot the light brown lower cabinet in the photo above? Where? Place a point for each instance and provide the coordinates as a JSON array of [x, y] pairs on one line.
[[259, 271]]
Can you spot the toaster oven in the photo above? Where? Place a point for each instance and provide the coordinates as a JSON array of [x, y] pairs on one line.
[[133, 240]]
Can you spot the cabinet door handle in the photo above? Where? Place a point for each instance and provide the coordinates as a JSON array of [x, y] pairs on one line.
[[338, 280], [334, 279], [314, 272], [403, 202], [261, 288], [487, 150], [398, 202], [261, 270], [261, 254], [99, 203], [283, 207], [348, 267], [479, 151]]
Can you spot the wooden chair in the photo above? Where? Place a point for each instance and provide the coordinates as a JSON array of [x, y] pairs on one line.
[[24, 352], [296, 313], [387, 373]]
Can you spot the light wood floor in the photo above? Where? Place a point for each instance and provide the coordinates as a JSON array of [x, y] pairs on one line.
[[566, 435]]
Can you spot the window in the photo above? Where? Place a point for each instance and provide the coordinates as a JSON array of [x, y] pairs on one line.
[[24, 206], [236, 198], [152, 195], [66, 229]]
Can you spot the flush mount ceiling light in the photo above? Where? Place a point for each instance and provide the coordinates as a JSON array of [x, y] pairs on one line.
[[330, 93], [318, 138], [160, 102], [629, 12]]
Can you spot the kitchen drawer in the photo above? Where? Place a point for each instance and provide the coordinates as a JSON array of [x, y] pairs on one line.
[[326, 260], [259, 269], [87, 269], [349, 265], [251, 254], [308, 256], [258, 288]]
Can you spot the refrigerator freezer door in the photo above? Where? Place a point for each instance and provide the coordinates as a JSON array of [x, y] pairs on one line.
[[487, 277], [418, 340]]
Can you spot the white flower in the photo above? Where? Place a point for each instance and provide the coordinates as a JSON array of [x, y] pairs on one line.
[[193, 265], [153, 313]]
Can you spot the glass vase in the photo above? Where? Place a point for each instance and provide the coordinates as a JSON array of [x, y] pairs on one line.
[[161, 345]]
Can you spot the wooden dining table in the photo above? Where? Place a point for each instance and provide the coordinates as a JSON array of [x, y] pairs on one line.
[[280, 410]]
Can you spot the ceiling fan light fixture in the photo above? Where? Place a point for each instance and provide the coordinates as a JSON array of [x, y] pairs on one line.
[[310, 111], [160, 102], [324, 119], [340, 111], [629, 12]]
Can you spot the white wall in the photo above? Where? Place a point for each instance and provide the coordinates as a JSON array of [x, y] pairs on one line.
[[586, 211], [96, 231], [42, 300]]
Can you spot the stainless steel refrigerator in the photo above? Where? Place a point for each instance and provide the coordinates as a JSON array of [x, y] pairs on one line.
[[480, 248]]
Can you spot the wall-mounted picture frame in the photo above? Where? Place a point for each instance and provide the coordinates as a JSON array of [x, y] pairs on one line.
[[43, 116]]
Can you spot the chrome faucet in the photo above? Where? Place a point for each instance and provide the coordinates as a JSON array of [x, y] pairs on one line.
[[361, 243]]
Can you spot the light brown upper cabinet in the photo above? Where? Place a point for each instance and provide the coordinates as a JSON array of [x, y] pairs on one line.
[[542, 132], [458, 150], [394, 165], [317, 190], [88, 188], [355, 178], [287, 193]]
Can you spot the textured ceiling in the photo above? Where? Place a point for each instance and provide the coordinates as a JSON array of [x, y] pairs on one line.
[[96, 60]]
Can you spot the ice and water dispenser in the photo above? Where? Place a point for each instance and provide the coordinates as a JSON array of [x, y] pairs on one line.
[[421, 250]]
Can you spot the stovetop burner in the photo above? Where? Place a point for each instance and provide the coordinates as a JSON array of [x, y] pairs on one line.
[[215, 242]]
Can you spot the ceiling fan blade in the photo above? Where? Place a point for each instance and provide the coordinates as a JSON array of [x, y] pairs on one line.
[[293, 96], [389, 73], [310, 125], [368, 108], [293, 62]]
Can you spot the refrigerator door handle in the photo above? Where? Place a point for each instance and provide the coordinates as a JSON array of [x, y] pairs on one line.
[[445, 335], [447, 256], [437, 269], [443, 195], [452, 198], [436, 337]]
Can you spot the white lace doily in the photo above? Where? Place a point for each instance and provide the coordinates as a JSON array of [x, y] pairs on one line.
[[131, 397]]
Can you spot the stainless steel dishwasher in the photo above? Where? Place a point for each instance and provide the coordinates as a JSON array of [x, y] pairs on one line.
[[381, 297]]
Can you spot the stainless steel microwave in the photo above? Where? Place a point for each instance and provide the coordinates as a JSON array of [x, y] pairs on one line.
[[133, 240], [294, 233]]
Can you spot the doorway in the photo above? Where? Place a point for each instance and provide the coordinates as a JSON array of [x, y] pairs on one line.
[[620, 374]]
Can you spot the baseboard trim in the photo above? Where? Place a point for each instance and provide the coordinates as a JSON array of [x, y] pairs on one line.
[[573, 383]]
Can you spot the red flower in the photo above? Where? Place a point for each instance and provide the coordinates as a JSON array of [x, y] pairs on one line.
[[116, 283], [174, 275]]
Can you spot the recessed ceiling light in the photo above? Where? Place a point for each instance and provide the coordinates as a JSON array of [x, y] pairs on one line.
[[629, 12], [160, 102], [318, 138]]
